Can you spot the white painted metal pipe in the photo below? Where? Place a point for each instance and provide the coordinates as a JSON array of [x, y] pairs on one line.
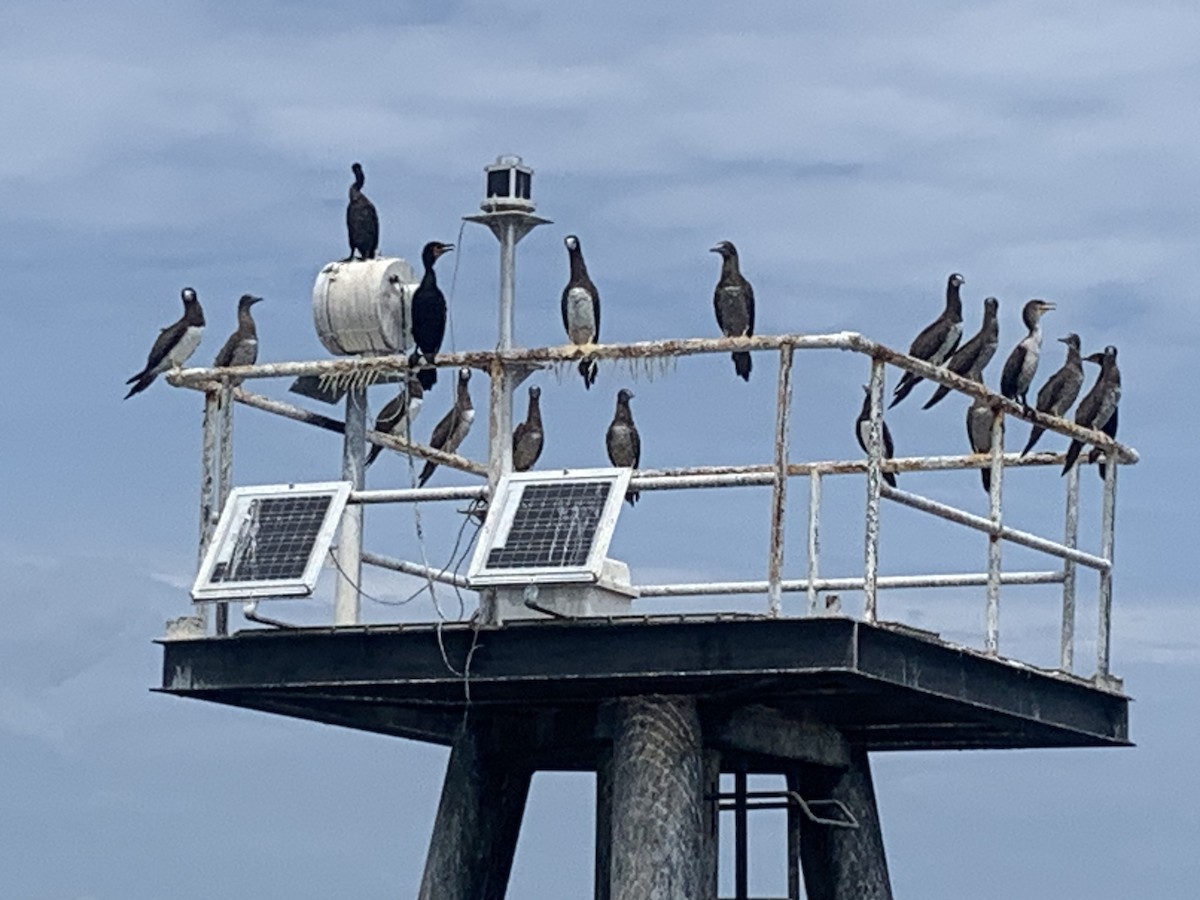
[[347, 597], [874, 490], [783, 407], [412, 568], [995, 544], [1070, 540], [882, 582], [1107, 528]]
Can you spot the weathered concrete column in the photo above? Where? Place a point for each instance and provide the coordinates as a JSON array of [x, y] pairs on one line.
[[843, 863], [478, 822], [658, 849]]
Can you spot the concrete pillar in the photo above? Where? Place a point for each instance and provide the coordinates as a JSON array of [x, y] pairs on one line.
[[843, 863], [478, 822], [658, 822]]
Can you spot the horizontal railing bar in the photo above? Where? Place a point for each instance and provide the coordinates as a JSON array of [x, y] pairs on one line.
[[889, 582], [953, 514], [367, 367], [411, 568], [298, 414], [419, 495]]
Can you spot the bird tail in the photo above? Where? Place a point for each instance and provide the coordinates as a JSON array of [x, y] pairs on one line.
[[426, 473], [986, 474], [632, 497], [427, 376], [890, 478], [589, 370], [904, 388], [372, 455], [143, 380], [1035, 435], [741, 365], [1072, 455], [937, 397], [1098, 454]]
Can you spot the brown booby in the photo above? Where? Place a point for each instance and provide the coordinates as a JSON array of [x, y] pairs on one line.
[[528, 436], [938, 339], [623, 441], [453, 428], [979, 434], [174, 346], [1060, 389], [428, 314], [398, 414], [1098, 405], [581, 308], [972, 358], [733, 300], [1022, 363], [362, 221], [862, 431], [241, 349]]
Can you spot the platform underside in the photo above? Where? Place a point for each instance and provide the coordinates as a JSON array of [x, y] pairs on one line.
[[545, 682]]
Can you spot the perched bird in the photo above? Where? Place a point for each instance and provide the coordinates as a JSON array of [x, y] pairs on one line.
[[623, 441], [979, 433], [428, 314], [398, 414], [581, 308], [1022, 363], [362, 222], [1109, 428], [937, 341], [174, 346], [454, 426], [1060, 390], [862, 431], [733, 301], [1100, 403], [242, 347], [528, 435], [972, 358]]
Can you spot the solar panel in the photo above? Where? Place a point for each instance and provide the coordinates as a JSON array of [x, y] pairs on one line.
[[271, 541], [549, 528]]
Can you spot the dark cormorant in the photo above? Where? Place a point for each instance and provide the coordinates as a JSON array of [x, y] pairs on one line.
[[428, 314], [1110, 428], [937, 341], [398, 414], [1060, 390], [581, 308], [979, 434], [174, 346], [242, 347], [454, 426], [733, 301], [623, 441], [1022, 363], [1100, 403], [862, 431], [528, 435], [972, 358], [362, 221]]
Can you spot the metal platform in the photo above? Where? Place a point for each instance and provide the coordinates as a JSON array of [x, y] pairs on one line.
[[883, 687]]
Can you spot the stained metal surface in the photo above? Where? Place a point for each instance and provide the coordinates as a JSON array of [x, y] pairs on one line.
[[882, 687], [783, 410]]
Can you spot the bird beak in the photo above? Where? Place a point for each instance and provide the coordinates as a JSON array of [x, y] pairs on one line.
[[714, 249], [1046, 307], [1094, 358], [1063, 340], [256, 300]]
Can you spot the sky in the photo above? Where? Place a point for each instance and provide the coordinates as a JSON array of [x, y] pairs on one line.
[[856, 153]]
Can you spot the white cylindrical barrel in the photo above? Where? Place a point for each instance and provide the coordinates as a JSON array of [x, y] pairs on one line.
[[364, 306]]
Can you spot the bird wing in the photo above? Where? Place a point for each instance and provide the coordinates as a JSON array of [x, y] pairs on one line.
[[1012, 372], [635, 445], [595, 307], [225, 355], [167, 338], [749, 309], [519, 433], [392, 413], [443, 429], [931, 341], [566, 302], [889, 449]]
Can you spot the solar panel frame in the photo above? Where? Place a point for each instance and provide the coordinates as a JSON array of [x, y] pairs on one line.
[[291, 526], [570, 514]]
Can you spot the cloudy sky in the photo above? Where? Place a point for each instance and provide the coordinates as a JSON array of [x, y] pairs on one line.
[[856, 153]]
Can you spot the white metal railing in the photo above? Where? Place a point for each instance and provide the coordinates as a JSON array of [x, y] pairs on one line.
[[223, 388]]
